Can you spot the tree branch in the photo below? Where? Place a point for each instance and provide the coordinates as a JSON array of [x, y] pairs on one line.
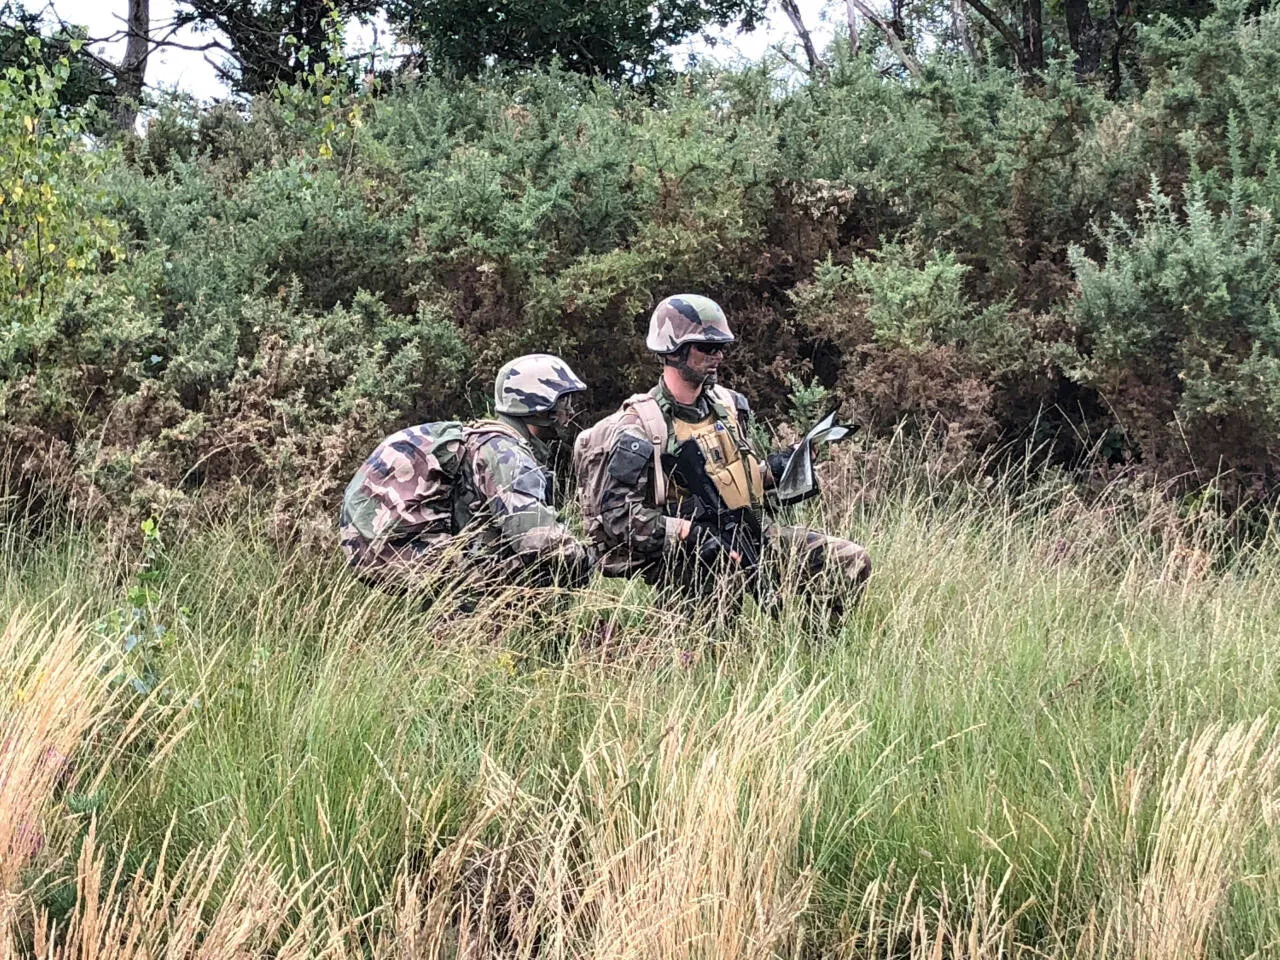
[[777, 48], [227, 76], [194, 48], [792, 10], [1010, 35], [908, 61]]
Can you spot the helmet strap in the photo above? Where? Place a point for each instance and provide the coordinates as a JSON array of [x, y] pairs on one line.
[[680, 361]]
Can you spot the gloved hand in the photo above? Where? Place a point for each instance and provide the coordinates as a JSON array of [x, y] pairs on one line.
[[704, 543], [709, 545], [778, 461]]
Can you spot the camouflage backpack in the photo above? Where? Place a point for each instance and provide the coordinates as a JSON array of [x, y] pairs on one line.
[[592, 449], [404, 491]]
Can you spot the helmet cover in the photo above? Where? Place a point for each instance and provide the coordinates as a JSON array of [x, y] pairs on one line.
[[531, 385], [686, 318]]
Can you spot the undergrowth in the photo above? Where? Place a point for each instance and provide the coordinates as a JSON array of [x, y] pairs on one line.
[[1045, 730]]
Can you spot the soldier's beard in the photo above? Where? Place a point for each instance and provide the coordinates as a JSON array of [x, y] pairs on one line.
[[691, 376]]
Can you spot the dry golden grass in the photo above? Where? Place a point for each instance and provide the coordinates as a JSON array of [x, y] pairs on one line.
[[711, 870], [1209, 808], [686, 848], [51, 697]]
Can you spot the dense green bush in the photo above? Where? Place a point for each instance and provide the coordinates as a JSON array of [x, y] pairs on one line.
[[991, 259], [1182, 324]]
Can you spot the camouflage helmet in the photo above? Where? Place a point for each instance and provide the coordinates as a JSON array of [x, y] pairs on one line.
[[686, 318], [530, 385]]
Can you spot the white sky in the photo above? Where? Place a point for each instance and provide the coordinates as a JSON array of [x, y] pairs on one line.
[[189, 71]]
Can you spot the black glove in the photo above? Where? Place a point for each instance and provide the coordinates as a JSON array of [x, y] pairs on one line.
[[708, 545], [704, 544], [778, 461]]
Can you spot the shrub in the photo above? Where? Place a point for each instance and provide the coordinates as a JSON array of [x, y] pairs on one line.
[[335, 262], [1182, 322]]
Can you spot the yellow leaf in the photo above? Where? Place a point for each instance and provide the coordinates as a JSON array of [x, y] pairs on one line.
[[73, 263], [326, 151], [51, 248], [29, 123]]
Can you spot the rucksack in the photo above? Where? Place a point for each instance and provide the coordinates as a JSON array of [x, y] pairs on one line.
[[594, 446], [380, 507]]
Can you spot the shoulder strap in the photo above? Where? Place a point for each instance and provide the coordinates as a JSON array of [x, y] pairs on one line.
[[654, 422], [494, 426], [722, 402]]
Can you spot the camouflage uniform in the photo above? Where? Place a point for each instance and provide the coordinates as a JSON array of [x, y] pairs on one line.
[[450, 501], [636, 535]]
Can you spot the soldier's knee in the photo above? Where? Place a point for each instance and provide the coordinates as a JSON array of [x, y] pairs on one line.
[[862, 571], [851, 560]]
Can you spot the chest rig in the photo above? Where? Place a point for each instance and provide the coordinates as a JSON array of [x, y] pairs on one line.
[[731, 466]]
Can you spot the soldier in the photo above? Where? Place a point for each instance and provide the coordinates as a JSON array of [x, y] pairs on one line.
[[636, 512], [450, 501]]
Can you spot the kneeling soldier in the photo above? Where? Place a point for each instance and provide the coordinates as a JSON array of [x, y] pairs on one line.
[[470, 500], [639, 509]]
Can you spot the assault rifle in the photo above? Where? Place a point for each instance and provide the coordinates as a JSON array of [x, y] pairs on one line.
[[739, 529]]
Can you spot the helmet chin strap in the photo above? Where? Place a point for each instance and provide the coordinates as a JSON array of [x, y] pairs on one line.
[[680, 361]]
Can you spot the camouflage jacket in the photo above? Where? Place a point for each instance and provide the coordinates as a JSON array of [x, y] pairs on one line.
[[633, 530], [496, 508]]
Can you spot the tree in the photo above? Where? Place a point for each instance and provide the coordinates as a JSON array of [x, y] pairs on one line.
[[615, 39], [131, 74], [270, 41], [88, 79], [115, 87], [50, 232]]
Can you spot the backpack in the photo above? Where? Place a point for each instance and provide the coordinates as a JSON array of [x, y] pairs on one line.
[[378, 508], [592, 449], [594, 446]]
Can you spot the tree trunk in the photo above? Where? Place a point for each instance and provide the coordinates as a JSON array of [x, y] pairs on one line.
[[960, 22], [1083, 34], [1033, 34], [1120, 12], [851, 13], [132, 72]]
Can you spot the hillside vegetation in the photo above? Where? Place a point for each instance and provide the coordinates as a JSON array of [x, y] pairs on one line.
[[254, 297], [1047, 730]]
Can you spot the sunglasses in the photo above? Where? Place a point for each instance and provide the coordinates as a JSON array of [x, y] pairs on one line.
[[711, 348]]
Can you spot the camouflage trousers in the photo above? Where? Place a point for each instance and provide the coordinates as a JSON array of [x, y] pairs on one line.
[[455, 571], [819, 562]]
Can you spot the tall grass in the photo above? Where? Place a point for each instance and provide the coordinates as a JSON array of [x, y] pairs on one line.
[[1046, 730]]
